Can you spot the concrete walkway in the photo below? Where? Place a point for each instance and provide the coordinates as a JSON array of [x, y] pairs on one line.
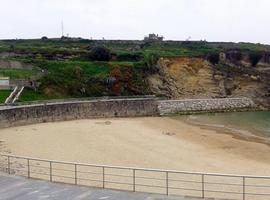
[[19, 188]]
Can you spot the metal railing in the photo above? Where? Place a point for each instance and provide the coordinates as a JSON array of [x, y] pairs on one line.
[[167, 182]]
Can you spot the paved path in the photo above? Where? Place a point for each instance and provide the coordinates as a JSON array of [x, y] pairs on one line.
[[19, 188]]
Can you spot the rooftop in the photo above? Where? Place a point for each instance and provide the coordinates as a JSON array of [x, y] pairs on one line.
[[4, 78]]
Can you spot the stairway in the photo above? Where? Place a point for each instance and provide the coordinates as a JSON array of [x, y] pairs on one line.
[[14, 96]]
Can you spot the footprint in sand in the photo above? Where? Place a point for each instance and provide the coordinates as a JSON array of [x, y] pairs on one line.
[[169, 134], [105, 123]]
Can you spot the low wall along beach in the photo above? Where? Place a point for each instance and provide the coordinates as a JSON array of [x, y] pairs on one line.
[[30, 114], [49, 112]]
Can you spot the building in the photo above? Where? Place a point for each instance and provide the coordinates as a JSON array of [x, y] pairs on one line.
[[154, 37], [4, 83]]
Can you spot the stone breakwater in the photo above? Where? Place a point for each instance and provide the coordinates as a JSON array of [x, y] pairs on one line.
[[204, 105], [50, 112]]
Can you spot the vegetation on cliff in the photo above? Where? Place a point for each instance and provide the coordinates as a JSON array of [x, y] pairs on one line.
[[82, 68]]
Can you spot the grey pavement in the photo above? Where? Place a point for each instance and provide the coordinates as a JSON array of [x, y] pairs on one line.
[[19, 188]]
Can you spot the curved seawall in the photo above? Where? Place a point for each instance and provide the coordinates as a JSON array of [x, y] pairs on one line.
[[30, 114], [61, 111]]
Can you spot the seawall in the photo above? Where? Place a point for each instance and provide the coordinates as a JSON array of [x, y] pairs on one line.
[[31, 114], [61, 111], [204, 105]]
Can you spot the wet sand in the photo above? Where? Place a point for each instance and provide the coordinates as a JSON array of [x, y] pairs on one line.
[[163, 143]]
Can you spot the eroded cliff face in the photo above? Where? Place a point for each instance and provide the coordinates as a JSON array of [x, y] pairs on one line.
[[184, 77], [197, 78]]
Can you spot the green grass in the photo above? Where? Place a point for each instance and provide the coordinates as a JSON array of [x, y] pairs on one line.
[[18, 73], [4, 94], [254, 47], [81, 47], [31, 95], [93, 69]]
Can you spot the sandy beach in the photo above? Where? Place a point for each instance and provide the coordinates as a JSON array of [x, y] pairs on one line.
[[155, 142]]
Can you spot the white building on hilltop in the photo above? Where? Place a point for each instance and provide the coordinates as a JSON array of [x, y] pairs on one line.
[[154, 37]]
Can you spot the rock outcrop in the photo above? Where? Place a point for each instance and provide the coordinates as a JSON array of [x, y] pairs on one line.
[[185, 77]]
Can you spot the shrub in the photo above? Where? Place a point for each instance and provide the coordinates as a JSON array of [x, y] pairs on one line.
[[44, 38], [151, 61], [100, 54], [213, 58], [234, 56], [255, 57], [132, 57], [12, 47]]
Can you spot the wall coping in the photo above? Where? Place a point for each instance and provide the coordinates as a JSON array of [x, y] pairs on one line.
[[10, 107], [213, 99]]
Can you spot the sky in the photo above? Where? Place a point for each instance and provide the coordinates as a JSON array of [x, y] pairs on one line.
[[211, 20]]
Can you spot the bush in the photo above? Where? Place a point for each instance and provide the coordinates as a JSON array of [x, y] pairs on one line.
[[100, 54], [234, 56], [44, 38], [152, 59], [132, 57], [213, 58], [255, 57]]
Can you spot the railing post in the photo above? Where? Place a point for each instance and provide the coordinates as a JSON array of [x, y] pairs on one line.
[[8, 164], [28, 168], [203, 185], [167, 183], [76, 178], [103, 177], [134, 180], [244, 188], [51, 171]]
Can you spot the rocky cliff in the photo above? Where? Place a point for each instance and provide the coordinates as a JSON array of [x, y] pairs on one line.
[[229, 76]]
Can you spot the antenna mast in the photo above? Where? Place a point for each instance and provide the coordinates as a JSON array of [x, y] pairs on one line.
[[62, 27]]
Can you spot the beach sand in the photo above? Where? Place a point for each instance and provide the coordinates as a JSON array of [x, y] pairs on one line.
[[154, 142]]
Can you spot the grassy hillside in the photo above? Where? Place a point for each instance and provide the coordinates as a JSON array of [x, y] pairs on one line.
[[4, 94], [67, 67], [31, 95], [17, 73]]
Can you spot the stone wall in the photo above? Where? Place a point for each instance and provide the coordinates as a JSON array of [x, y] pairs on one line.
[[30, 114], [204, 105], [61, 111]]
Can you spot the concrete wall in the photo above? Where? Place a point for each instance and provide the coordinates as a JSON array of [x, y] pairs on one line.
[[22, 115], [204, 105], [30, 114]]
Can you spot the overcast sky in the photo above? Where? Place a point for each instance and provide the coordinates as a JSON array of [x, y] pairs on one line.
[[213, 20]]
